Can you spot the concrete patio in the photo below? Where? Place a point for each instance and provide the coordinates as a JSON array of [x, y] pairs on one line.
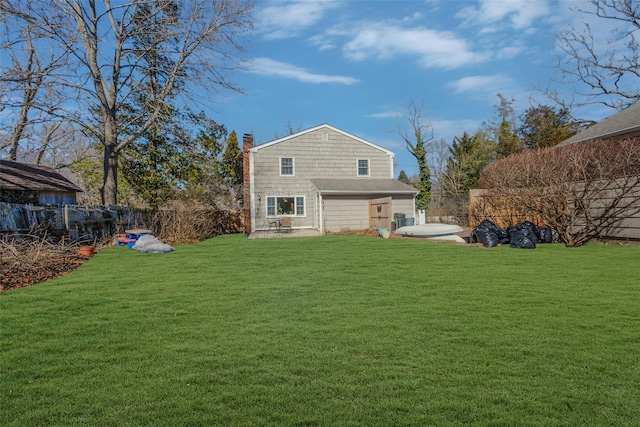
[[273, 234]]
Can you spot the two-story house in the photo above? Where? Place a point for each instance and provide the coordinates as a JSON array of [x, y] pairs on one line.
[[322, 178]]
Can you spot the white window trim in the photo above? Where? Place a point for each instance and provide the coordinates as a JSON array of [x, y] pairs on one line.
[[295, 206], [358, 167], [325, 136], [293, 166]]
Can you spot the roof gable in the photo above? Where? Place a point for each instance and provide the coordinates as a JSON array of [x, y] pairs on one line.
[[316, 128], [624, 123], [24, 177]]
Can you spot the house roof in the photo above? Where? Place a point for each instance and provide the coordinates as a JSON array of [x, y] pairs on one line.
[[624, 123], [362, 186], [23, 176], [316, 128]]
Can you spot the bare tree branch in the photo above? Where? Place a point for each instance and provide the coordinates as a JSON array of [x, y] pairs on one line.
[[607, 70]]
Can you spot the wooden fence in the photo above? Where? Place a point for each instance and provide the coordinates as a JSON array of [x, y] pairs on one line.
[[487, 204], [80, 223], [69, 221]]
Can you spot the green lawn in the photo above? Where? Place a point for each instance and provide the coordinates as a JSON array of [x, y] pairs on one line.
[[328, 331]]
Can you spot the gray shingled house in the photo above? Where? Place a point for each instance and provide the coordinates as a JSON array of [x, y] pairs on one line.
[[624, 124], [323, 178], [33, 184]]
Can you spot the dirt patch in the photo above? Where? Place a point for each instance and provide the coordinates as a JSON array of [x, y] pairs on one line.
[[365, 231]]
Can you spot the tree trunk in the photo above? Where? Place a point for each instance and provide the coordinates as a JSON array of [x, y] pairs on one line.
[[110, 182], [110, 165], [23, 120]]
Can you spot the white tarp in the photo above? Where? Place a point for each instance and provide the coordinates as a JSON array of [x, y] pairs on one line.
[[150, 244]]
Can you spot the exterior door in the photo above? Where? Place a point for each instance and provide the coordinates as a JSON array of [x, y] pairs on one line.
[[380, 213]]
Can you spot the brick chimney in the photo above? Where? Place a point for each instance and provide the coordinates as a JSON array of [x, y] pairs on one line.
[[247, 144]]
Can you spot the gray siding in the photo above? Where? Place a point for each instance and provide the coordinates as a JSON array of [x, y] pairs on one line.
[[345, 213], [314, 158], [403, 204]]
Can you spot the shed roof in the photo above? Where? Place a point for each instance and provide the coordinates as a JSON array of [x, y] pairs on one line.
[[624, 123], [25, 177], [362, 186]]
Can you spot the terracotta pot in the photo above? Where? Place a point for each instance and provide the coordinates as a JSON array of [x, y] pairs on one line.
[[87, 250]]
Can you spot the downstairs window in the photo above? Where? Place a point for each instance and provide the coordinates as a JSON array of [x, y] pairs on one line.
[[287, 205]]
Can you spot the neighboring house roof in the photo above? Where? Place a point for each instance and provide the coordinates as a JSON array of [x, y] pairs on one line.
[[25, 177], [625, 123], [362, 186], [313, 129]]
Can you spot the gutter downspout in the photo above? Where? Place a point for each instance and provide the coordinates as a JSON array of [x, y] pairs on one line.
[[320, 212]]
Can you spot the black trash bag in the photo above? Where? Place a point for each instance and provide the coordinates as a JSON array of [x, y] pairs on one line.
[[531, 228], [488, 238], [503, 235], [545, 235], [523, 236], [520, 239], [486, 233]]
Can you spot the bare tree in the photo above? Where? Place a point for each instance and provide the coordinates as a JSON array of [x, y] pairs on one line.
[[606, 70], [29, 74], [109, 69], [419, 144], [438, 158], [583, 190]]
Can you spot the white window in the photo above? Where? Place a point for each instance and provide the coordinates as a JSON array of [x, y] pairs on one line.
[[286, 166], [285, 205], [325, 136], [363, 167]]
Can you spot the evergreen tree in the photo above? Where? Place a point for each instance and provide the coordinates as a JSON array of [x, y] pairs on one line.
[[232, 160], [469, 154], [402, 177], [504, 128], [153, 163], [543, 127]]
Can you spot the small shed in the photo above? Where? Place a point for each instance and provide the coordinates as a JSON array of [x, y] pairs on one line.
[[24, 183]]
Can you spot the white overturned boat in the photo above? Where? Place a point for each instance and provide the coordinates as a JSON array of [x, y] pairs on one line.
[[431, 230]]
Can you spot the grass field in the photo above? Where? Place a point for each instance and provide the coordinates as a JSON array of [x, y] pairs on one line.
[[328, 331]]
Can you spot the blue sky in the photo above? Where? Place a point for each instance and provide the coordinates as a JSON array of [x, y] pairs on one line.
[[357, 64]]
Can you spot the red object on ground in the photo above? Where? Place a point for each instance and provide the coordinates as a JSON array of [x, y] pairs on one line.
[[125, 240]]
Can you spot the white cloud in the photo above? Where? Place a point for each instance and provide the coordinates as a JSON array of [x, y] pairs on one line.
[[270, 67], [285, 19], [385, 115], [322, 42], [520, 13], [483, 84], [442, 49], [509, 52]]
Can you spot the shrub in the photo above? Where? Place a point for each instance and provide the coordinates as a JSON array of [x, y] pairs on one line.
[[188, 223], [582, 190]]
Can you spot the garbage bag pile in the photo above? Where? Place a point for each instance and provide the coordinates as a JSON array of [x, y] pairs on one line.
[[525, 235]]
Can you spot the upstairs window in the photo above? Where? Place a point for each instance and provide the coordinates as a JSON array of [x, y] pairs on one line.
[[363, 167], [286, 166]]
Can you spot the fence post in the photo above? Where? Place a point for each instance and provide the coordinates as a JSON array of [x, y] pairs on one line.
[[65, 216]]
